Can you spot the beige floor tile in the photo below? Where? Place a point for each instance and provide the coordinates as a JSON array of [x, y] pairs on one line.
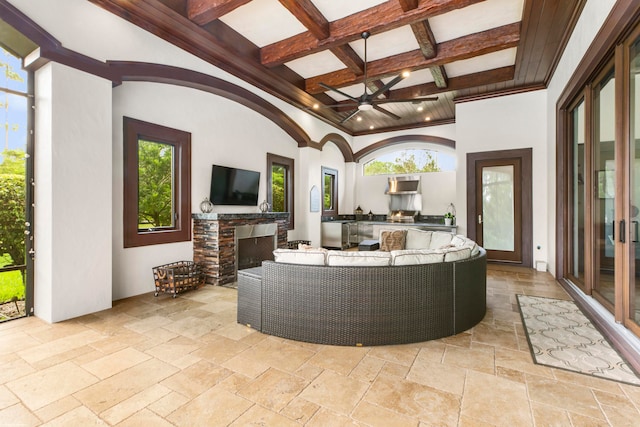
[[57, 408], [339, 359], [168, 403], [215, 407], [300, 410], [273, 389], [197, 378], [446, 378], [48, 385], [336, 392], [115, 362], [135, 403], [259, 416], [414, 400], [80, 416], [18, 415], [185, 361], [373, 415], [7, 398], [563, 395], [144, 418], [121, 386]]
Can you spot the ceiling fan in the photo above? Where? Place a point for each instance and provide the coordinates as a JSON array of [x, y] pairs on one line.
[[370, 101]]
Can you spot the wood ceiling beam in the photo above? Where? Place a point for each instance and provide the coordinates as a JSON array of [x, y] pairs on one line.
[[427, 42], [467, 81], [204, 11], [384, 17], [309, 16], [464, 47]]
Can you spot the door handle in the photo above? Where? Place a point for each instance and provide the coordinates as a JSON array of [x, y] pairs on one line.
[[622, 231], [479, 219], [635, 231]]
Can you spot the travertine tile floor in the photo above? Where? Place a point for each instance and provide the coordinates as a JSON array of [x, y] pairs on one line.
[[185, 362]]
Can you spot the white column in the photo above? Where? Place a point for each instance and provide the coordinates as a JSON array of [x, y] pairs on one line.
[[73, 193]]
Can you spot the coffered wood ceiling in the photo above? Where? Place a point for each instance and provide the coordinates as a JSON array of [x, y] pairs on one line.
[[455, 49]]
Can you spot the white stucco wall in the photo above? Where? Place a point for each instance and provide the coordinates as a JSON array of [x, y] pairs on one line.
[[72, 224], [506, 123]]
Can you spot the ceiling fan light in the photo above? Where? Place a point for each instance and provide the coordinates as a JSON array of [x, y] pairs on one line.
[[406, 74], [365, 107]]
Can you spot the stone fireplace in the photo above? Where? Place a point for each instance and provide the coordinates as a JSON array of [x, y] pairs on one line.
[[220, 241]]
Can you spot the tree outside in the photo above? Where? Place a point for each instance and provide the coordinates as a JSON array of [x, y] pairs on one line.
[[155, 185], [415, 161], [12, 185], [277, 188]]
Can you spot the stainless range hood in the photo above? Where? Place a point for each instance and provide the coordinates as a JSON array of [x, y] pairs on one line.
[[403, 185], [405, 199]]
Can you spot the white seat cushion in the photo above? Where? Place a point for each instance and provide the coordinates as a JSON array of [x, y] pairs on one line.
[[305, 257], [456, 254], [417, 256], [358, 258]]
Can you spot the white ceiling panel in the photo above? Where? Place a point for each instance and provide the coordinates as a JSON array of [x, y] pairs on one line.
[[316, 64], [490, 61], [263, 22], [333, 10], [476, 18], [386, 44]]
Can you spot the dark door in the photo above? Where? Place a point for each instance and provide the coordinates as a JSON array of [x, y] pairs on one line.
[[499, 204]]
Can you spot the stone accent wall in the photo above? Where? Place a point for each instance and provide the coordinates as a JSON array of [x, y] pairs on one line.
[[214, 241]]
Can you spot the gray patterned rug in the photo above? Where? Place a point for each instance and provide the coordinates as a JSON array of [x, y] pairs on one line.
[[560, 336]]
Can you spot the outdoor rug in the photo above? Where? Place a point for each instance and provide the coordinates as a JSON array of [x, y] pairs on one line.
[[560, 336]]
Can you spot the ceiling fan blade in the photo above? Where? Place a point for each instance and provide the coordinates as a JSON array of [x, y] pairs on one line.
[[350, 116], [416, 100], [388, 86], [338, 91], [388, 113], [344, 104]]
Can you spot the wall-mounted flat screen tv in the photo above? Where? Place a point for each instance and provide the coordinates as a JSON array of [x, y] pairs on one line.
[[232, 186]]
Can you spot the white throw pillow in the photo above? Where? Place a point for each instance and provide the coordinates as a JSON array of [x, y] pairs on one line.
[[417, 256], [305, 257], [440, 239], [358, 258], [417, 239], [458, 240]]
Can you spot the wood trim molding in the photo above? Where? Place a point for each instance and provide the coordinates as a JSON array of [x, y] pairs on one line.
[[340, 142], [425, 139]]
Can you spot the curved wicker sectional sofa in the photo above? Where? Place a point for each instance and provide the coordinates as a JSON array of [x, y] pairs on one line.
[[364, 305]]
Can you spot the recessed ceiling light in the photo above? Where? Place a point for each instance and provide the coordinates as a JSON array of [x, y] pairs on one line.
[[426, 119], [316, 106], [420, 108], [359, 119], [371, 127], [406, 74]]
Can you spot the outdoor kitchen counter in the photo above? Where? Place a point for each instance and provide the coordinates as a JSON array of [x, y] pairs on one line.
[[353, 232]]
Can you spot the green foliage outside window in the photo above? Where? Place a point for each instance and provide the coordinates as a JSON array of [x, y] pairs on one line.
[[12, 205], [278, 188], [155, 185], [416, 161]]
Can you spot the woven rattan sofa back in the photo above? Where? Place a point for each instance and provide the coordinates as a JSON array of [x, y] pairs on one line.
[[372, 305]]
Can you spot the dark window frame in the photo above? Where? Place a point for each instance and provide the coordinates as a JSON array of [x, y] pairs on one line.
[[289, 198], [334, 191], [133, 131]]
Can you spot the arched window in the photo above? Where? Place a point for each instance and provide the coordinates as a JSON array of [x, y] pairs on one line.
[[410, 161]]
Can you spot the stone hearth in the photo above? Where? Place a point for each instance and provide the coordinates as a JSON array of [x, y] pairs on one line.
[[214, 241]]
